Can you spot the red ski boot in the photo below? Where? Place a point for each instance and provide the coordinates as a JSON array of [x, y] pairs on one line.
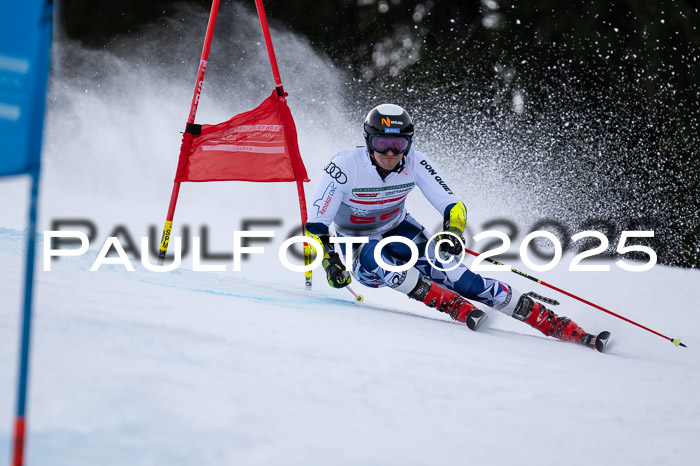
[[537, 316], [433, 295]]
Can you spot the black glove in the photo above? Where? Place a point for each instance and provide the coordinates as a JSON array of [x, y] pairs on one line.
[[336, 274], [451, 245]]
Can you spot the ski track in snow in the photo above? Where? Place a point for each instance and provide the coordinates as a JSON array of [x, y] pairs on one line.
[[204, 368], [247, 368]]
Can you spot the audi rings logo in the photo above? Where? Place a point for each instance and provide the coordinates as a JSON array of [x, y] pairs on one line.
[[336, 173]]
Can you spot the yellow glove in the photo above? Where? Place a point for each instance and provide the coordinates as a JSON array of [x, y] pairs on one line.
[[336, 274], [455, 222]]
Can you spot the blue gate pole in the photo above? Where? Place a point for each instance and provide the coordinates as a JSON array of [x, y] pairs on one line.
[[25, 344]]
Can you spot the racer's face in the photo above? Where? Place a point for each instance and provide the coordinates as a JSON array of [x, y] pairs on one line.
[[388, 160]]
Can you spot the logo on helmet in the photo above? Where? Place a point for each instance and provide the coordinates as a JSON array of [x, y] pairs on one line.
[[386, 121]]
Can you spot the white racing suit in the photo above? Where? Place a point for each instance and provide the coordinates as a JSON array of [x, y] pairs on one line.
[[353, 197]]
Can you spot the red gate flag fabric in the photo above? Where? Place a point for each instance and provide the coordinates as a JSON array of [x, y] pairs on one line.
[[258, 145]]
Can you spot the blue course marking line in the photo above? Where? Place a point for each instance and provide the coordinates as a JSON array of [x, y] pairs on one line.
[[307, 299]]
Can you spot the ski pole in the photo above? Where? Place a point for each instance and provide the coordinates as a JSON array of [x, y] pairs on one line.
[[358, 297], [675, 341]]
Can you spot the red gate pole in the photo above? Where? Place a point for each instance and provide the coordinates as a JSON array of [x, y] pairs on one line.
[[282, 96], [308, 277], [270, 49], [187, 137]]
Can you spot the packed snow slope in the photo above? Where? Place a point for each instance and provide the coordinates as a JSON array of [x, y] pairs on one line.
[[248, 368], [211, 368]]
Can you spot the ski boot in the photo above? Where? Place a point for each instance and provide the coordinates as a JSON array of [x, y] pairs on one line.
[[546, 321], [450, 302]]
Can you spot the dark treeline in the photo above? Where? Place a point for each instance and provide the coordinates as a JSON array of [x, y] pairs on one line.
[[627, 73]]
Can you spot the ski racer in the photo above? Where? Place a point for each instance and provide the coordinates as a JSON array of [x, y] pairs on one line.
[[362, 193]]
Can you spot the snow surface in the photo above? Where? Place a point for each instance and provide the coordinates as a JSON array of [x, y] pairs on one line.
[[210, 368], [247, 368]]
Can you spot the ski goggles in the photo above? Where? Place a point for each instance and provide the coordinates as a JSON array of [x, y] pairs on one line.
[[383, 144]]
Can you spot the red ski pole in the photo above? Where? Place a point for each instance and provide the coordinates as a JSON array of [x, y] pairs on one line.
[[675, 341]]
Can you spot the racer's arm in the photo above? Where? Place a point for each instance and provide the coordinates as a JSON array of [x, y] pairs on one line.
[[431, 183], [336, 273], [436, 190], [327, 199], [454, 222]]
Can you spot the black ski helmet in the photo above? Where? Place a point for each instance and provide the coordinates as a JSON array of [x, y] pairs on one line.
[[388, 120]]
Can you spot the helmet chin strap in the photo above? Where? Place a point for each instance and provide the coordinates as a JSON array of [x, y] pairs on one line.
[[383, 172]]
